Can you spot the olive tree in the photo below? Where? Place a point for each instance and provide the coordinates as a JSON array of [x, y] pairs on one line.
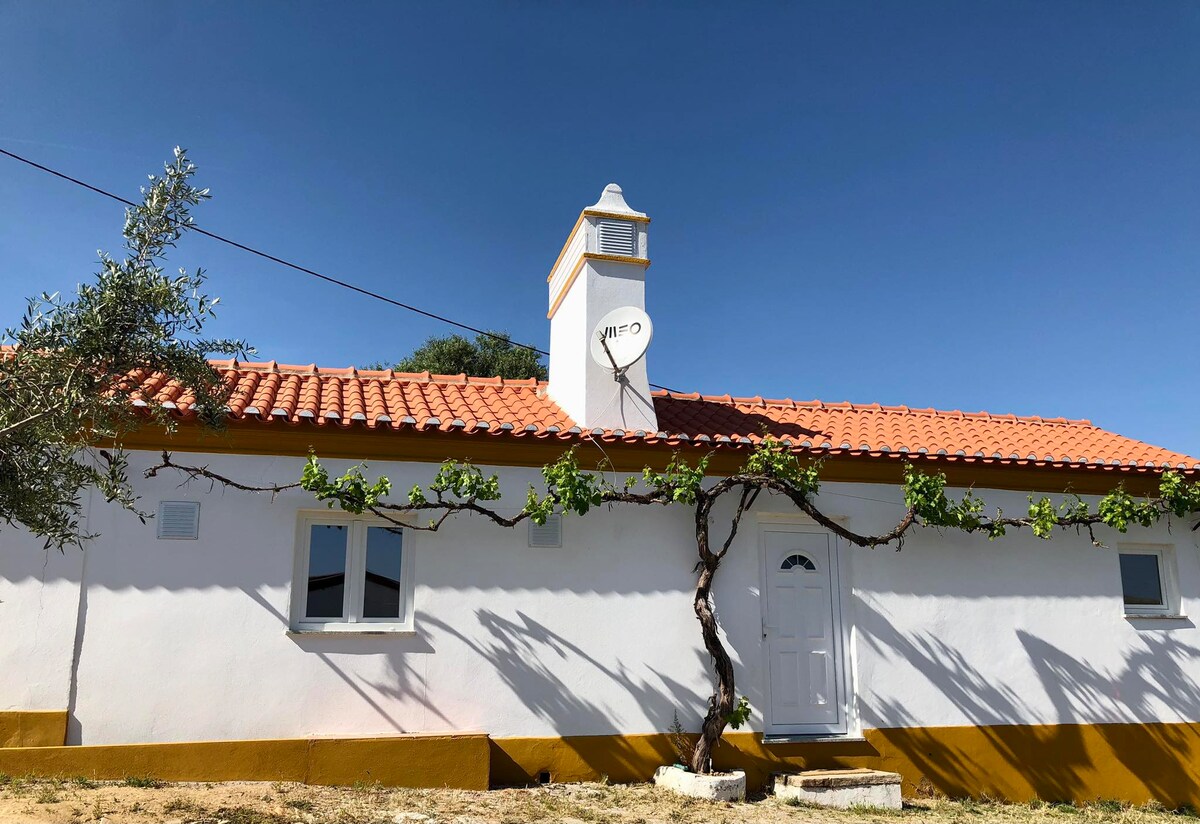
[[70, 369]]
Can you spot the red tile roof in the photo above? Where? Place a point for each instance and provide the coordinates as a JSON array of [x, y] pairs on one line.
[[346, 398]]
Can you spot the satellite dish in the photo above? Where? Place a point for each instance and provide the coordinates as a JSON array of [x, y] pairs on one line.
[[621, 338]]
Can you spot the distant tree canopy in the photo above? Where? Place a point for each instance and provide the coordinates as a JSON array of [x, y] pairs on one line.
[[485, 357]]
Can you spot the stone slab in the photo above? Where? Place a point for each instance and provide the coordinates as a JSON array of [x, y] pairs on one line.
[[842, 789]]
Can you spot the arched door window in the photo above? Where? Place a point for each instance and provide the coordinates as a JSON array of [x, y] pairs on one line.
[[803, 561]]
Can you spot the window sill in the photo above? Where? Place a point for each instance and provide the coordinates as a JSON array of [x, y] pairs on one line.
[[816, 738], [1154, 616], [351, 631]]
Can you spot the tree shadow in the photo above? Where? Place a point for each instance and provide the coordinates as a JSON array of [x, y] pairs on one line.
[[405, 680], [1098, 737], [520, 650], [385, 697], [698, 417], [1152, 682]]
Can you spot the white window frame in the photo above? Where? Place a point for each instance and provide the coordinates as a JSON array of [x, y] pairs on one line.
[[1167, 579], [352, 620]]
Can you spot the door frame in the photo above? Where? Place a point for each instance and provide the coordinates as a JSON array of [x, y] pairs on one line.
[[775, 523]]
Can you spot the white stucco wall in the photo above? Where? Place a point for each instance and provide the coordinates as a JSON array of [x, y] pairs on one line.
[[39, 602], [185, 640]]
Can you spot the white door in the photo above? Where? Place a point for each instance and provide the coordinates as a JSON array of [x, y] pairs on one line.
[[801, 631]]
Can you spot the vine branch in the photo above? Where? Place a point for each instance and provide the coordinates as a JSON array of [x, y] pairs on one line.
[[192, 473], [460, 487]]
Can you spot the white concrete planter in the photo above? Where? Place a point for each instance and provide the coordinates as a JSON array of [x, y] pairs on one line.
[[841, 788], [730, 786]]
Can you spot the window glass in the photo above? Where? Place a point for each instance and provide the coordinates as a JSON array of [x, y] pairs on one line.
[[326, 571], [381, 593], [1140, 580], [802, 561]]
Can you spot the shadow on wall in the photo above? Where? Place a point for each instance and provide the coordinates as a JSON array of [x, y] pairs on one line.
[[519, 649], [404, 682], [128, 556], [1007, 757], [391, 685], [1151, 680]]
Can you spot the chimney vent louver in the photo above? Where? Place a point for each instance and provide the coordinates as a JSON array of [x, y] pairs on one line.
[[618, 237]]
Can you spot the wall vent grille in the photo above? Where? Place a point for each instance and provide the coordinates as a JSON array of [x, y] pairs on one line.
[[618, 237], [178, 520], [548, 534]]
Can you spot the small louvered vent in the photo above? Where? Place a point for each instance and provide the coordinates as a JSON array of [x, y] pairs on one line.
[[548, 534], [179, 520], [618, 237]]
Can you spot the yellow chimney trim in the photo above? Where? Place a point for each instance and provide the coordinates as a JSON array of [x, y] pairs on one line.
[[562, 293], [570, 235], [615, 215], [575, 228], [616, 258], [586, 256]]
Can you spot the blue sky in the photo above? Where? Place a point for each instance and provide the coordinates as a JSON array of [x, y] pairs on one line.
[[963, 205]]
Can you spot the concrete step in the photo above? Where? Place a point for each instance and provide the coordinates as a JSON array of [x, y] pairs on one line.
[[841, 788]]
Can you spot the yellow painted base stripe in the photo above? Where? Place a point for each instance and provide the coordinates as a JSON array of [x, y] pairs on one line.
[[33, 728], [1137, 763], [459, 761]]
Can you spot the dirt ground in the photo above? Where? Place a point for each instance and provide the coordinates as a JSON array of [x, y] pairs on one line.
[[143, 800]]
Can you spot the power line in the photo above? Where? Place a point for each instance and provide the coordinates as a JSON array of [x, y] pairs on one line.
[[274, 259], [303, 269]]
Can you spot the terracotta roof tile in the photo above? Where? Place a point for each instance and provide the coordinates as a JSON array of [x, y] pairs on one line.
[[495, 407]]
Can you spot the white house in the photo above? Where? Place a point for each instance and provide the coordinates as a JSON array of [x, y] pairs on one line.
[[257, 637]]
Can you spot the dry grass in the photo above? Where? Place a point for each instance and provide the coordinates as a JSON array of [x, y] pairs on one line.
[[142, 800]]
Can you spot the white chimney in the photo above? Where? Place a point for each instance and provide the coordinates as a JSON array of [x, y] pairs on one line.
[[602, 267]]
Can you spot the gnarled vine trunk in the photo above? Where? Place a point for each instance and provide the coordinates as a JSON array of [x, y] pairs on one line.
[[720, 705]]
